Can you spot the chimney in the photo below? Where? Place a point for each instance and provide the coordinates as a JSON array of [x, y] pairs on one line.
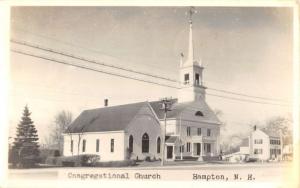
[[105, 102], [254, 127]]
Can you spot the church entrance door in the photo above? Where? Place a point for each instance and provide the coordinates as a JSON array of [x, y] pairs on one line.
[[169, 152]]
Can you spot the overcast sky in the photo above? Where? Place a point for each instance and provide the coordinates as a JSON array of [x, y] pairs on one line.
[[245, 50]]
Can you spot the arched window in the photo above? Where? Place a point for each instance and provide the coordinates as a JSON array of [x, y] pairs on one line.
[[130, 143], [198, 113], [158, 145], [145, 143]]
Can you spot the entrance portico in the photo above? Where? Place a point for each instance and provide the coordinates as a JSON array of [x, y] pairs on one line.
[[200, 149]]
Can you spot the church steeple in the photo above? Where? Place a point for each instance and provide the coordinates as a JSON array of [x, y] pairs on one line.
[[191, 71], [191, 45], [190, 58]]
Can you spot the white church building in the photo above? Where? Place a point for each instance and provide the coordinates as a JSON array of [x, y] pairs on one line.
[[136, 130]]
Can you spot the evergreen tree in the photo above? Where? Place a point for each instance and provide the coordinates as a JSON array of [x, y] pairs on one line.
[[26, 147]]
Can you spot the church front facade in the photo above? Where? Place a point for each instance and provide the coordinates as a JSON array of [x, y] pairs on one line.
[[138, 131]]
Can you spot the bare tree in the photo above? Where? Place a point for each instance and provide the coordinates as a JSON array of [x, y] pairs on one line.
[[61, 121], [282, 126]]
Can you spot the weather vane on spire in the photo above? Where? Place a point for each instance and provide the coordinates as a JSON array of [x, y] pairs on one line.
[[191, 12]]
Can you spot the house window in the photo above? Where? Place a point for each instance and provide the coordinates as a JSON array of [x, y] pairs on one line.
[[181, 149], [199, 113], [208, 148], [258, 151], [186, 78], [130, 144], [197, 79], [208, 132], [72, 143], [83, 145], [199, 131], [158, 145], [97, 145], [145, 143], [188, 147], [188, 131], [279, 151], [112, 145], [258, 141]]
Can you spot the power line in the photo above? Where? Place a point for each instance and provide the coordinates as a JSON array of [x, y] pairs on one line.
[[91, 69], [240, 94], [136, 72], [132, 78], [89, 60], [246, 100]]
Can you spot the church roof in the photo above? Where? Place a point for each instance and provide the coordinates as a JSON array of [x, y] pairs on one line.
[[116, 118], [180, 109]]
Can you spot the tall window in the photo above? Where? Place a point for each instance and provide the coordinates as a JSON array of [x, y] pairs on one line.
[[258, 141], [199, 131], [181, 149], [188, 147], [197, 79], [145, 143], [130, 143], [83, 145], [97, 145], [158, 145], [208, 148], [112, 145], [188, 131], [72, 143], [208, 132], [186, 78]]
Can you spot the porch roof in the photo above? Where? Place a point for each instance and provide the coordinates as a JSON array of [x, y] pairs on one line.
[[173, 140]]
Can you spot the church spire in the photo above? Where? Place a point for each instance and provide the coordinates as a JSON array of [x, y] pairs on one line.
[[190, 56], [191, 46]]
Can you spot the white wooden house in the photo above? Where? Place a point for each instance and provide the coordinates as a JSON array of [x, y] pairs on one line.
[[263, 144]]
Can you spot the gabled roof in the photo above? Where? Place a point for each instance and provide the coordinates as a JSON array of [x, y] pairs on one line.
[[114, 118], [117, 118], [178, 109]]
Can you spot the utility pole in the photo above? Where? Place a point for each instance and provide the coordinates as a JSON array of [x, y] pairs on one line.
[[166, 106]]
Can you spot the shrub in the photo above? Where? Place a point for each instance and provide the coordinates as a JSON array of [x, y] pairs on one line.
[[46, 153], [116, 163], [89, 160], [78, 160], [148, 159], [29, 161]]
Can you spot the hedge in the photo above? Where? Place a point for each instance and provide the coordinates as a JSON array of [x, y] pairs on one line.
[[78, 160], [124, 163], [86, 160]]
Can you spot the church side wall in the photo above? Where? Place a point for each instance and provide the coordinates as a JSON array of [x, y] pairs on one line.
[[104, 145]]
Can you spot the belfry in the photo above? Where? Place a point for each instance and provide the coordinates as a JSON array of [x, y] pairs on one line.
[[191, 72]]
